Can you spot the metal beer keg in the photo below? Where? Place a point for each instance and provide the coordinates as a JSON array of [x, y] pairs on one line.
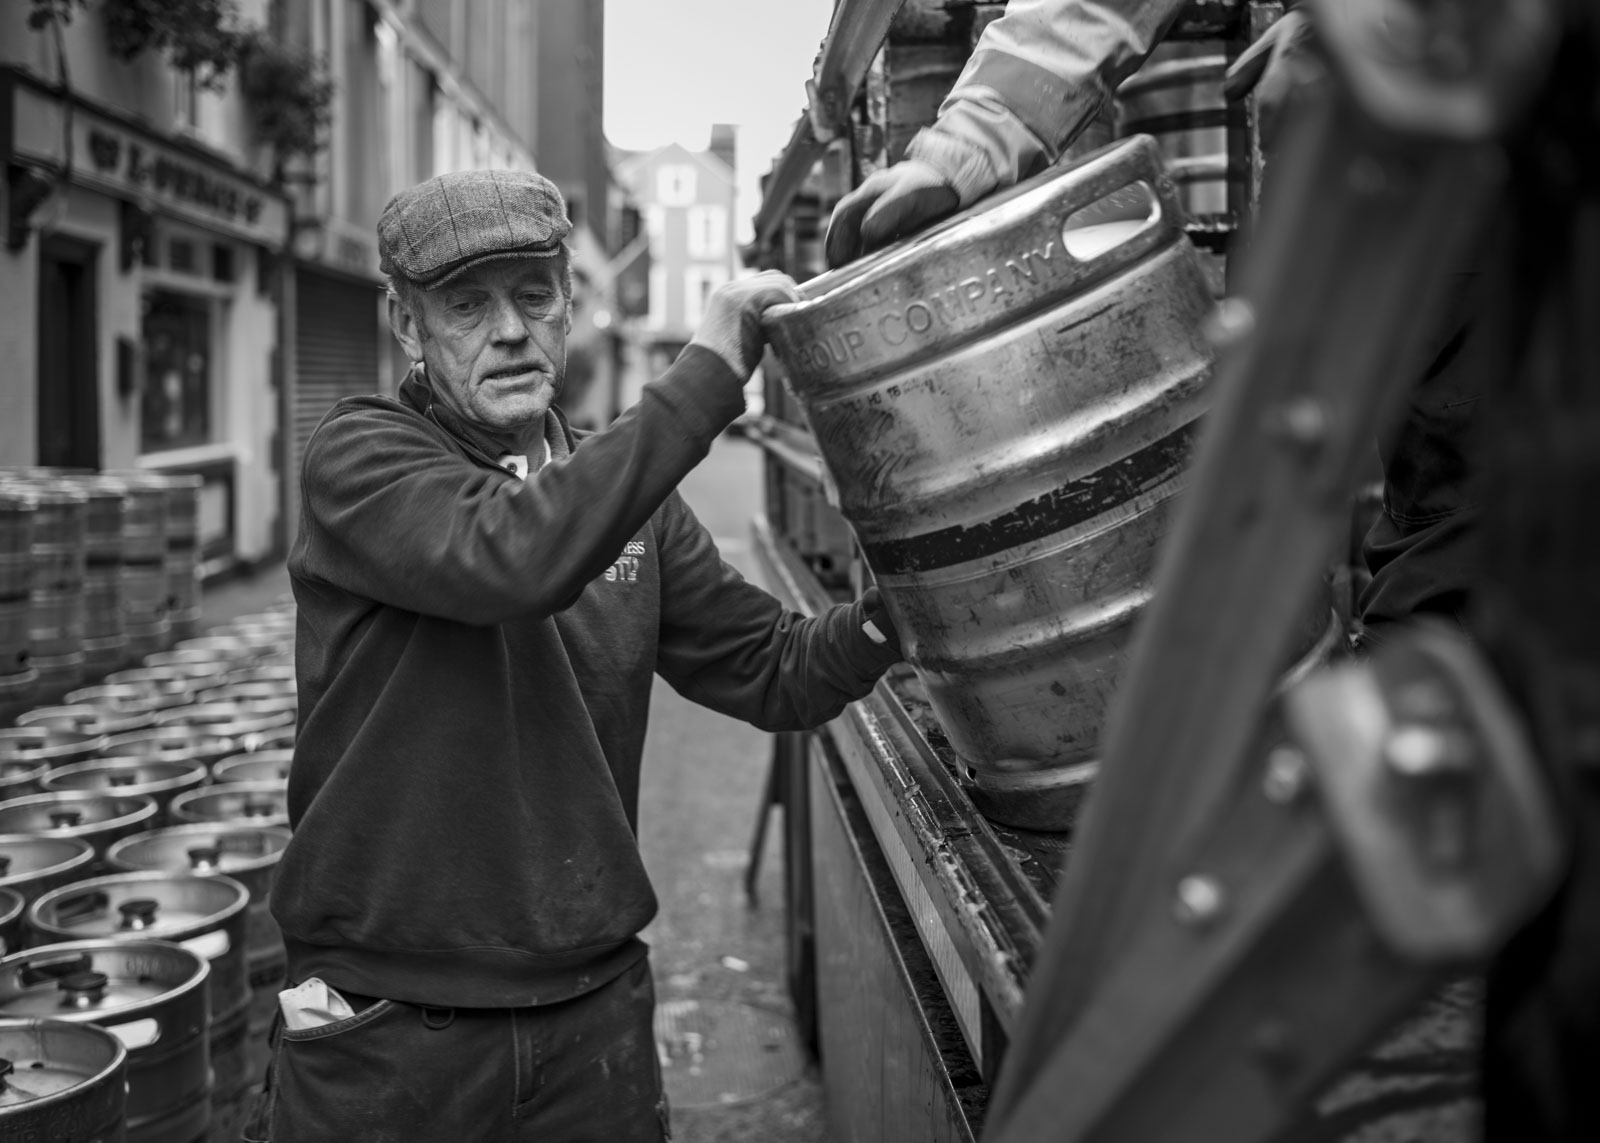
[[161, 779], [1006, 405], [151, 995], [206, 915], [98, 818], [248, 854], [262, 766], [61, 1081], [33, 865], [240, 803]]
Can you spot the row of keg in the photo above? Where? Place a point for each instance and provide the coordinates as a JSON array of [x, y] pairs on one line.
[[141, 820], [96, 570]]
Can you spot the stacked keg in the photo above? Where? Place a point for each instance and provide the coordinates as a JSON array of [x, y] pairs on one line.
[[56, 585], [141, 819], [17, 677], [183, 554], [144, 564], [105, 640]]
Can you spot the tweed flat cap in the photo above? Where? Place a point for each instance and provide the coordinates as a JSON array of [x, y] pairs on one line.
[[431, 232]]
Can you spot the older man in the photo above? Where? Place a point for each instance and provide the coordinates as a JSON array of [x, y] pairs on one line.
[[484, 596]]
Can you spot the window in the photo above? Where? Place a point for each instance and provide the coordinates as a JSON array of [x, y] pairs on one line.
[[708, 232], [175, 407], [655, 221], [657, 317], [675, 185], [185, 99], [698, 282]]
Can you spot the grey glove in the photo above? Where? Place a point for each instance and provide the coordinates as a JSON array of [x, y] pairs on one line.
[[731, 327], [889, 204]]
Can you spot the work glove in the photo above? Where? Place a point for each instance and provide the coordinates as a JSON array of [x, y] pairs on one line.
[[1280, 63], [876, 621], [890, 204], [731, 327]]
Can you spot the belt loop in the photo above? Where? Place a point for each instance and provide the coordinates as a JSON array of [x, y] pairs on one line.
[[438, 1018]]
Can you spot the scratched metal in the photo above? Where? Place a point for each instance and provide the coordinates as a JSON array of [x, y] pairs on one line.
[[1007, 425]]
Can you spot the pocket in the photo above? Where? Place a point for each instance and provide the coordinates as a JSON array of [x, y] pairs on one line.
[[349, 1024]]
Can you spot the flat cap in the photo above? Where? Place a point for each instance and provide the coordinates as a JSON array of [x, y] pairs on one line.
[[431, 232]]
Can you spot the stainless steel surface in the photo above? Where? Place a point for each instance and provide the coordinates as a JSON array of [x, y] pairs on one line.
[[262, 766], [97, 818], [173, 743], [151, 995], [84, 719], [247, 853], [33, 865], [66, 1082], [206, 915], [1005, 405], [249, 803], [160, 779]]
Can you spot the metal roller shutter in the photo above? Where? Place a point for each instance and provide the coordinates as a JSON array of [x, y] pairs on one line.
[[336, 348]]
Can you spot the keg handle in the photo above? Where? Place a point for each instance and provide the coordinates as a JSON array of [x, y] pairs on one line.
[[204, 858], [139, 913], [258, 809], [41, 969], [83, 989], [65, 819], [123, 779]]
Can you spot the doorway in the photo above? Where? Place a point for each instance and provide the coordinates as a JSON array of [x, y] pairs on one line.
[[69, 337]]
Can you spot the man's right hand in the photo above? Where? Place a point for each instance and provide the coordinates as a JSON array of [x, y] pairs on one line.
[[889, 204], [731, 327]]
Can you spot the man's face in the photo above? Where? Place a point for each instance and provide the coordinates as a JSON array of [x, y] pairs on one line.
[[494, 340]]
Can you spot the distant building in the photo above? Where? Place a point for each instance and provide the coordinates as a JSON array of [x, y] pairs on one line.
[[687, 200], [140, 323]]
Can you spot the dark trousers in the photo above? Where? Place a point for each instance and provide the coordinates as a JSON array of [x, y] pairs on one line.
[[579, 1071]]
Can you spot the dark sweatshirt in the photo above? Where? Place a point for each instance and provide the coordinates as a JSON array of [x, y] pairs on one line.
[[474, 655]]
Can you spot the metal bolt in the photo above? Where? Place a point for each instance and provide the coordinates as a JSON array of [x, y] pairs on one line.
[[1200, 900], [1288, 772], [1231, 321], [1420, 751]]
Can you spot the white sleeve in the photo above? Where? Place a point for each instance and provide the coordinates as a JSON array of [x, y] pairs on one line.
[[1038, 75]]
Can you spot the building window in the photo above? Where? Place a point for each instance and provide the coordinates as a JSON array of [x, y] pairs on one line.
[[185, 100], [655, 222], [708, 232], [176, 405], [675, 185], [657, 315], [698, 282]]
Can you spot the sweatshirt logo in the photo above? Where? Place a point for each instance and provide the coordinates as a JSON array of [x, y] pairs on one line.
[[626, 568]]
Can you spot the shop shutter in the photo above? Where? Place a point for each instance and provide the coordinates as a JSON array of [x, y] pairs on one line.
[[336, 348]]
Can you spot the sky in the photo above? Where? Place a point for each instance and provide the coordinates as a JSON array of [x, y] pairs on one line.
[[674, 67]]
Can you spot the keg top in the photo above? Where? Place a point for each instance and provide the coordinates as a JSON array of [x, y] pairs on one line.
[[56, 1057], [89, 981], [11, 905], [43, 743], [24, 855], [171, 742], [1047, 239], [73, 812], [84, 718], [262, 766], [261, 803], [147, 905], [127, 775], [202, 848]]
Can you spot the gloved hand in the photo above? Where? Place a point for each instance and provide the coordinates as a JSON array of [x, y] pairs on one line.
[[1280, 63], [876, 621], [889, 204], [731, 327]]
